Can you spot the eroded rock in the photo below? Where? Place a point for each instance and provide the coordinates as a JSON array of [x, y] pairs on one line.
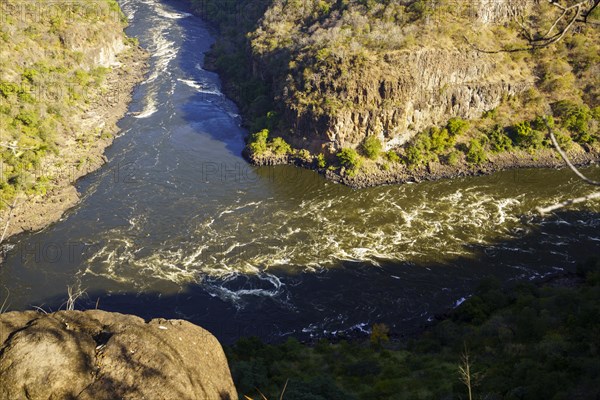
[[101, 355]]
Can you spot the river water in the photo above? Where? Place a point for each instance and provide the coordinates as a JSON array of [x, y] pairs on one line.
[[178, 225]]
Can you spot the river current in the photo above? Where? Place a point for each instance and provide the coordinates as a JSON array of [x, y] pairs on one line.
[[178, 225]]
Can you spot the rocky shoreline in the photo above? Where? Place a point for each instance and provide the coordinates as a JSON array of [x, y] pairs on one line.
[[399, 173], [107, 106]]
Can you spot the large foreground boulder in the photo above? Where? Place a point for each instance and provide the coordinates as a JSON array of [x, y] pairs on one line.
[[101, 355]]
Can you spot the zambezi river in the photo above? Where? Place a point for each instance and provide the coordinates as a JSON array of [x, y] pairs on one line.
[[178, 225]]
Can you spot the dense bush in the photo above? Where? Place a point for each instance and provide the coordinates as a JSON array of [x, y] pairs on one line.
[[372, 147], [499, 140], [528, 138], [576, 119], [441, 140], [392, 156], [349, 159], [476, 152], [414, 156], [526, 342], [457, 126], [258, 142], [321, 163], [453, 158], [280, 146]]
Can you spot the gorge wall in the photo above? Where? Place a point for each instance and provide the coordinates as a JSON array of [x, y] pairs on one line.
[[407, 93], [396, 74], [66, 78], [325, 75]]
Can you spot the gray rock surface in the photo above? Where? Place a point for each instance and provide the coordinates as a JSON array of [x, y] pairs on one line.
[[101, 355]]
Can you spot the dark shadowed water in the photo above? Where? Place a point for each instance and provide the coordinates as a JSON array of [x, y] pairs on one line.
[[177, 224]]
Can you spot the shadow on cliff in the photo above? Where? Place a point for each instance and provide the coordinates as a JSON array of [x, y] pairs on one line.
[[345, 301]]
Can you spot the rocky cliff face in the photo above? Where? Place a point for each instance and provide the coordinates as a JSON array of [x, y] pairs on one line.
[[102, 54], [409, 92], [498, 11], [100, 355], [385, 70]]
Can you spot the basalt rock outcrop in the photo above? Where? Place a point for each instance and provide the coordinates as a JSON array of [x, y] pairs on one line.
[[100, 355], [324, 75], [405, 93]]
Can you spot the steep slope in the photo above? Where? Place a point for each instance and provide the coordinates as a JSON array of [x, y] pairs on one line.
[[66, 74], [327, 75]]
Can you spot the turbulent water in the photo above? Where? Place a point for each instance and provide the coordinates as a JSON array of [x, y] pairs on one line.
[[177, 224]]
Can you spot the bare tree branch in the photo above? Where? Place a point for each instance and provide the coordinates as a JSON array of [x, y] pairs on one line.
[[596, 195], [590, 11], [566, 158], [570, 202], [580, 13]]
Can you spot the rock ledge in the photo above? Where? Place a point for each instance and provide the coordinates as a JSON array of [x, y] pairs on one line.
[[101, 355]]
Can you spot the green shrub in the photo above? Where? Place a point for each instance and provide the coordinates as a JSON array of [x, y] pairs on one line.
[[421, 150], [392, 156], [28, 118], [499, 140], [414, 156], [576, 119], [258, 142], [304, 155], [564, 140], [379, 335], [457, 126], [30, 75], [528, 138], [321, 163], [541, 124], [372, 147], [578, 123], [8, 88], [280, 146], [82, 78], [476, 153], [490, 114], [441, 140], [564, 108], [453, 158], [349, 159]]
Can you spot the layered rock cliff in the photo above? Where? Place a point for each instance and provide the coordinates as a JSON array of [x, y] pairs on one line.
[[100, 355], [327, 75], [405, 93], [385, 70]]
